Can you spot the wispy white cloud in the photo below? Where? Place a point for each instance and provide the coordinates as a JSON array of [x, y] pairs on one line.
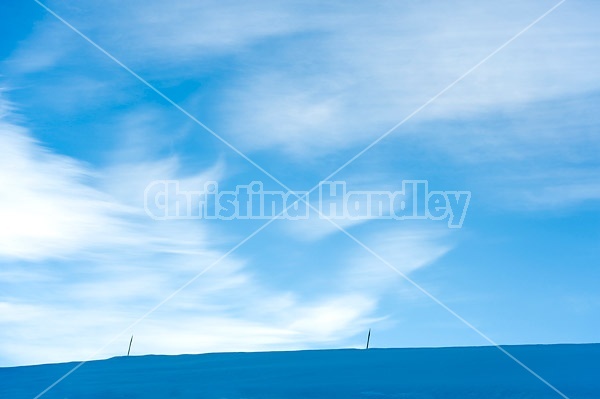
[[333, 77], [47, 209], [87, 262], [45, 48], [351, 72], [374, 69], [563, 188], [407, 248]]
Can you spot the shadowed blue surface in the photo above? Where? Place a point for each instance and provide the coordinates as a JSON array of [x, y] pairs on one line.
[[473, 372]]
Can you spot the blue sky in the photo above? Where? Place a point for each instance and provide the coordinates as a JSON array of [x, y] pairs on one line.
[[300, 88]]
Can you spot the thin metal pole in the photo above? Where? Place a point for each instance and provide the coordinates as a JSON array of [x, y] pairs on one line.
[[130, 341]]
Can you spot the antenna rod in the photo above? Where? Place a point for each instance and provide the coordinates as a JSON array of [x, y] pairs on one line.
[[368, 339], [130, 341]]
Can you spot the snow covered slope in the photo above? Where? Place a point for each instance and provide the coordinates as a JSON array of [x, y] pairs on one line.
[[475, 372]]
